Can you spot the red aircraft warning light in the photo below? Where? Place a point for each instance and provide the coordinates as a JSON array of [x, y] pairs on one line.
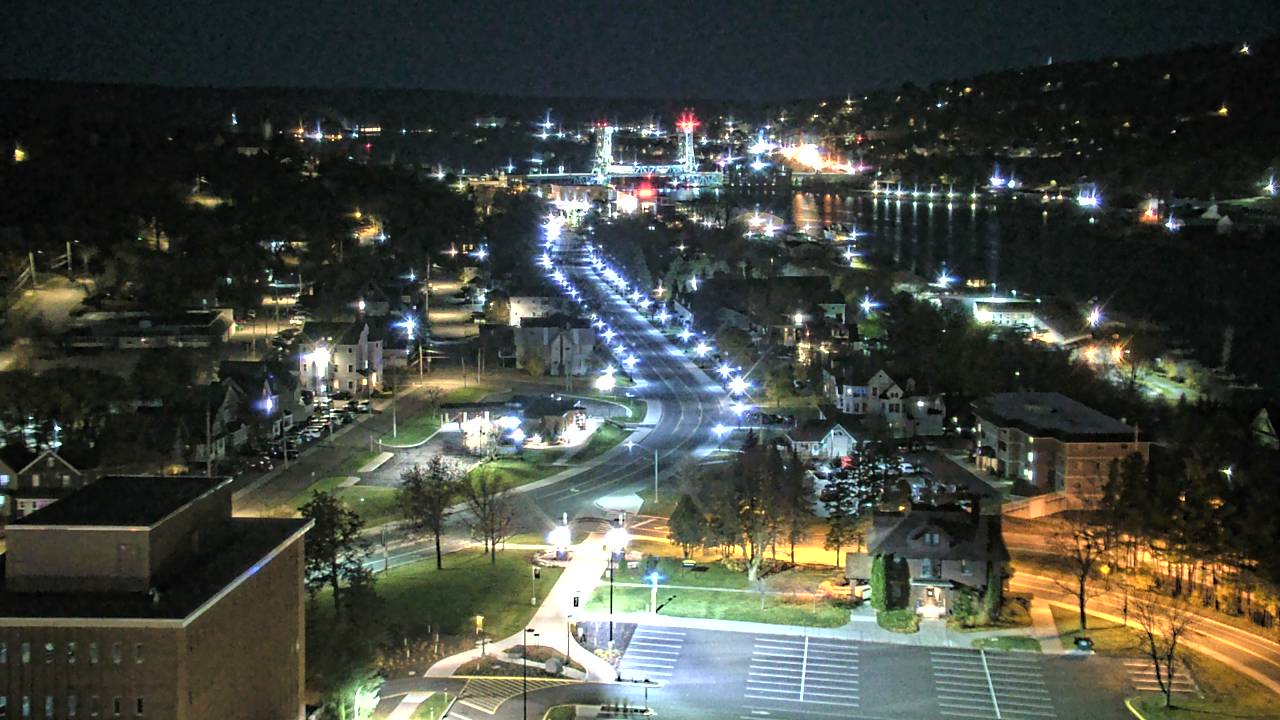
[[687, 122]]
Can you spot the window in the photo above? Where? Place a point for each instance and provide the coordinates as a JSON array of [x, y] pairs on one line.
[[35, 479], [1031, 456], [4, 480], [138, 707], [66, 480], [73, 705], [351, 368], [71, 653], [4, 652], [48, 706], [117, 654], [48, 653], [965, 568], [26, 653], [137, 653], [4, 706], [93, 653], [115, 706], [932, 538], [26, 706]]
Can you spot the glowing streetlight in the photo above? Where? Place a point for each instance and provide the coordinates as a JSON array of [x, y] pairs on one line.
[[720, 429], [944, 280], [410, 325], [724, 371], [739, 385], [662, 316], [607, 382], [609, 335], [630, 362], [701, 349], [739, 408], [868, 305], [684, 335], [1095, 317]]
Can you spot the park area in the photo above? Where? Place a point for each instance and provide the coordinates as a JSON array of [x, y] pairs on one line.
[[419, 614], [718, 588]]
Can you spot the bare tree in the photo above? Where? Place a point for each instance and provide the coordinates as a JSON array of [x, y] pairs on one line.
[[488, 498], [426, 496], [1163, 626], [1084, 547]]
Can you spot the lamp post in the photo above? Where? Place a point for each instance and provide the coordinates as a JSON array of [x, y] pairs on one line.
[[654, 578], [631, 446], [524, 657], [616, 541]]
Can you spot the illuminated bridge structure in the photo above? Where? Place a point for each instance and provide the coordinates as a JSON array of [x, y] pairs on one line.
[[605, 169]]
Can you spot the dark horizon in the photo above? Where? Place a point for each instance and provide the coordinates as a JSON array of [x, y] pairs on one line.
[[758, 51]]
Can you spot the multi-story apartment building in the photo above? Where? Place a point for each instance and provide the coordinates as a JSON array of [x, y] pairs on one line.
[[341, 356], [1052, 442], [142, 597], [563, 345]]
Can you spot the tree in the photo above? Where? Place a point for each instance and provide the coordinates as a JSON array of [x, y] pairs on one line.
[[993, 594], [533, 362], [497, 310], [335, 552], [1084, 547], [426, 496], [797, 502], [687, 525], [488, 498], [1163, 625], [840, 499], [879, 586], [755, 491]]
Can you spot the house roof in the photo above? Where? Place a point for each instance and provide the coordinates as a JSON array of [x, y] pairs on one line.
[[1051, 415], [964, 535], [335, 333], [815, 430]]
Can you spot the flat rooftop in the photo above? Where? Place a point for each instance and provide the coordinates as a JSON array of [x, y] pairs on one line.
[[123, 501], [1051, 415], [179, 593]]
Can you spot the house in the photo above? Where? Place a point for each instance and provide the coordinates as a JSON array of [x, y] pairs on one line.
[[820, 439], [938, 551], [30, 481], [564, 345], [269, 395], [879, 396], [341, 356], [530, 306], [212, 427], [1052, 443], [145, 331]]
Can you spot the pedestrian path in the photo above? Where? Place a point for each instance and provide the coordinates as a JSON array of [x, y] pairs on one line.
[[801, 676], [651, 654], [990, 686], [1143, 676]]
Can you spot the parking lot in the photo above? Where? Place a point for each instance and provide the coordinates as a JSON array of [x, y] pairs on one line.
[[750, 676]]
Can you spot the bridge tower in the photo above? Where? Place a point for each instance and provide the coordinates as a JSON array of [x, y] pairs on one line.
[[604, 152], [687, 123]]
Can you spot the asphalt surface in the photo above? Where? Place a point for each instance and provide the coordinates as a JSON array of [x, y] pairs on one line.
[[747, 676]]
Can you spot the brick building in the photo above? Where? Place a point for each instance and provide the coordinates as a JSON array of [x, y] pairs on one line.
[[142, 597], [1052, 442]]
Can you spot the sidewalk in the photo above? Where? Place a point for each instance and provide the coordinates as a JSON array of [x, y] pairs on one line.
[[551, 621]]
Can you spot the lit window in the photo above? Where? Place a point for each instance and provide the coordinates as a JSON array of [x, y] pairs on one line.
[[48, 653], [117, 654], [73, 705], [1031, 457], [26, 653], [4, 652], [48, 706], [71, 653], [4, 481], [26, 706], [137, 652]]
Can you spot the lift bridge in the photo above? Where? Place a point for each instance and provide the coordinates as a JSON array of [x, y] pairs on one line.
[[604, 169]]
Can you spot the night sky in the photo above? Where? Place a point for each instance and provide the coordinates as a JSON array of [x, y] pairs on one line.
[[689, 49]]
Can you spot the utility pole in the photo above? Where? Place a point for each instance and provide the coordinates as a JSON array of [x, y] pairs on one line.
[[208, 441], [655, 475], [394, 433]]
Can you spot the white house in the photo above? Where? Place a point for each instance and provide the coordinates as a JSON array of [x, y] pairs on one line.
[[880, 396], [341, 356], [564, 345], [820, 440]]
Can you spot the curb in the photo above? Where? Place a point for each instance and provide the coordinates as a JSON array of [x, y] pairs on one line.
[[1128, 703]]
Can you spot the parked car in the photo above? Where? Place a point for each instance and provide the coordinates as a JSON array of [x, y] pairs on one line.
[[362, 406]]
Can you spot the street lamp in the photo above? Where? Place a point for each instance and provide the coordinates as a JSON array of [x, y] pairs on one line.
[[616, 542], [524, 657], [631, 446], [738, 385], [724, 371], [701, 349]]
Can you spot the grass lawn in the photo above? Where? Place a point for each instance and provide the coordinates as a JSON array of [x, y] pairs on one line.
[[604, 439], [1225, 693], [720, 605], [636, 408], [527, 467], [417, 595], [415, 430], [665, 503], [432, 708], [1008, 642], [374, 504], [1109, 638], [902, 620], [352, 463], [713, 574]]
